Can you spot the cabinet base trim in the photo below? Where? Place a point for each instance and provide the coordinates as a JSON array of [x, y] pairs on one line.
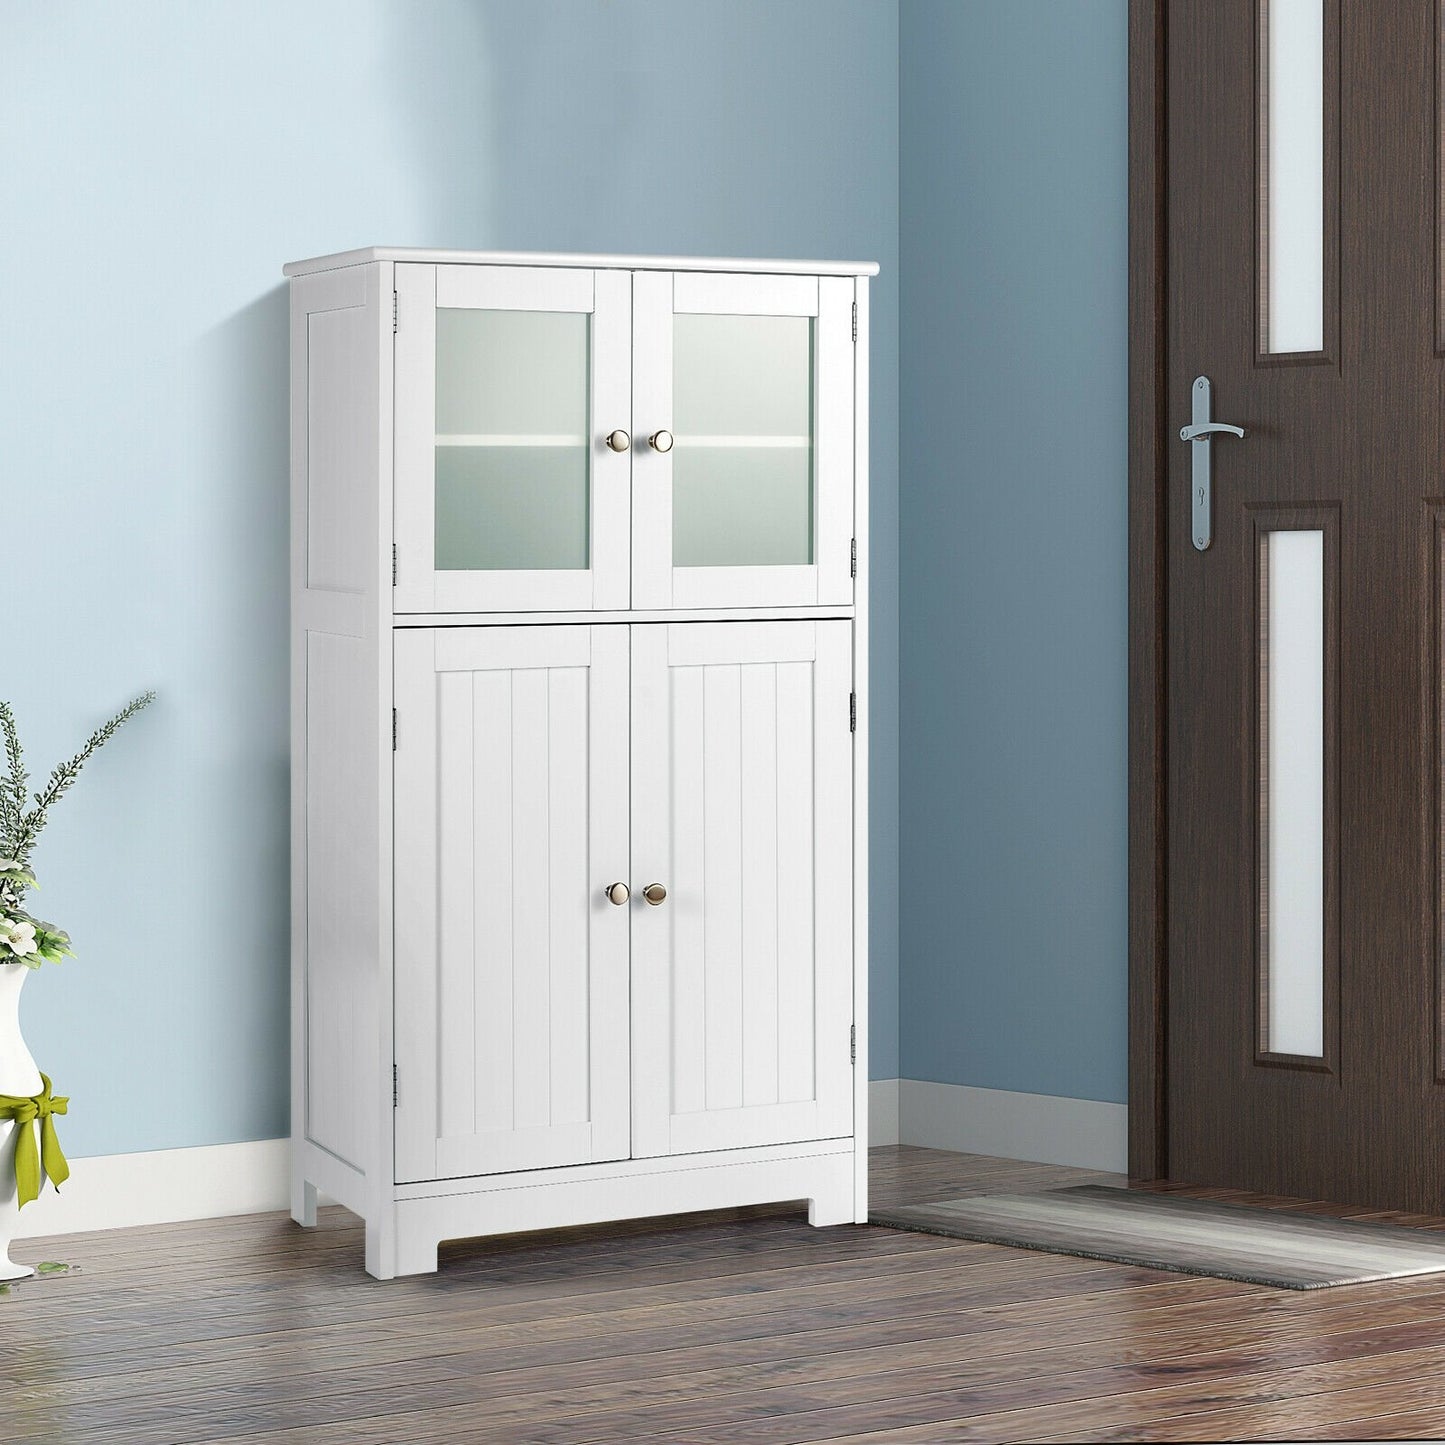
[[823, 1179], [644, 1166]]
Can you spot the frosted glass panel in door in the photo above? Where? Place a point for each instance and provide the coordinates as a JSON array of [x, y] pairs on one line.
[[742, 472], [1292, 113], [1293, 911], [512, 455]]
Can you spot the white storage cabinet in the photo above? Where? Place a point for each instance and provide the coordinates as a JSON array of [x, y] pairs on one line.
[[579, 764]]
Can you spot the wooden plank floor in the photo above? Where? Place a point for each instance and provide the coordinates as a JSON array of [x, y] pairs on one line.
[[734, 1328]]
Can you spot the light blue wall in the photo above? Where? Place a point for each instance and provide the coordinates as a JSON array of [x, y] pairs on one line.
[[1013, 193], [162, 158]]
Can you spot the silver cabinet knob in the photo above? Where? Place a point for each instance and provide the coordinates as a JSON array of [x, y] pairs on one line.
[[618, 894], [618, 440], [655, 893], [660, 441]]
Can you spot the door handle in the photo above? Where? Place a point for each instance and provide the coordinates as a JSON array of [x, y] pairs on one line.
[[654, 893], [617, 893], [1200, 434], [1193, 433]]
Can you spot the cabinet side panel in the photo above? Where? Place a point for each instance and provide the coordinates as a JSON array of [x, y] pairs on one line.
[[340, 535], [863, 716], [340, 1000], [340, 579]]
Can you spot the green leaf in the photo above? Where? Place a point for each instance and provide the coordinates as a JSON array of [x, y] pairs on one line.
[[50, 1266]]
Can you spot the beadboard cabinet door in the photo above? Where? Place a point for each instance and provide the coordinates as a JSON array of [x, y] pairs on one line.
[[743, 456], [511, 820], [509, 382], [742, 977]]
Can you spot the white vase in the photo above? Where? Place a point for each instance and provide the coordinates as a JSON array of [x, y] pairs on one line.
[[18, 1075]]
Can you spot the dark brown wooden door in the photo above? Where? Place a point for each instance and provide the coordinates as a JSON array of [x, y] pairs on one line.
[[1302, 648]]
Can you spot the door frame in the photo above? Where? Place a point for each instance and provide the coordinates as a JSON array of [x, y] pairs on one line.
[[1148, 700]]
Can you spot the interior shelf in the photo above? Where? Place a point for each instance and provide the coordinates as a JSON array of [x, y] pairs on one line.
[[744, 441], [503, 439]]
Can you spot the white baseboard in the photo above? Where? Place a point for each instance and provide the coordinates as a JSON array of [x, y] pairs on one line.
[[117, 1191], [1039, 1127], [113, 1191], [882, 1112]]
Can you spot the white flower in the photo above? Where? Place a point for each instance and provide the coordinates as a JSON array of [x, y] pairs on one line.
[[19, 938]]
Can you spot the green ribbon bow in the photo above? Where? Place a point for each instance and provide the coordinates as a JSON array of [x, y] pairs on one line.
[[28, 1158]]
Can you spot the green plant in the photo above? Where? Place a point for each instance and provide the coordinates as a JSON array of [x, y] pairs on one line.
[[24, 938]]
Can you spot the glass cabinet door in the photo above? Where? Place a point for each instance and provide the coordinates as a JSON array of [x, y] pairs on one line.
[[509, 383], [743, 415]]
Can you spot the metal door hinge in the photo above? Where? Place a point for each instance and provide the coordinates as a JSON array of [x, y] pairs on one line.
[[395, 1092], [396, 313], [855, 321], [852, 558], [852, 1043], [393, 564], [852, 712], [393, 729]]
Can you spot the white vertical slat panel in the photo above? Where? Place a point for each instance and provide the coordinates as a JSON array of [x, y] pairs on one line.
[[456, 906], [796, 953], [651, 412], [666, 947], [415, 1018], [493, 890], [833, 876], [609, 942], [688, 884], [531, 888], [738, 759], [513, 799], [723, 883], [568, 893], [759, 832]]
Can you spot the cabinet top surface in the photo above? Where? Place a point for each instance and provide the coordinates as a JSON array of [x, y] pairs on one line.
[[429, 256]]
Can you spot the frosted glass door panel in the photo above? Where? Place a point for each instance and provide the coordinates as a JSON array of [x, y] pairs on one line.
[[508, 382], [1292, 205], [1293, 911], [512, 475], [743, 419], [733, 513], [747, 382], [508, 507]]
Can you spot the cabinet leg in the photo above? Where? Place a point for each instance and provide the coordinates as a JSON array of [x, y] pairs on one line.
[[415, 1253], [380, 1251], [303, 1203], [833, 1207]]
